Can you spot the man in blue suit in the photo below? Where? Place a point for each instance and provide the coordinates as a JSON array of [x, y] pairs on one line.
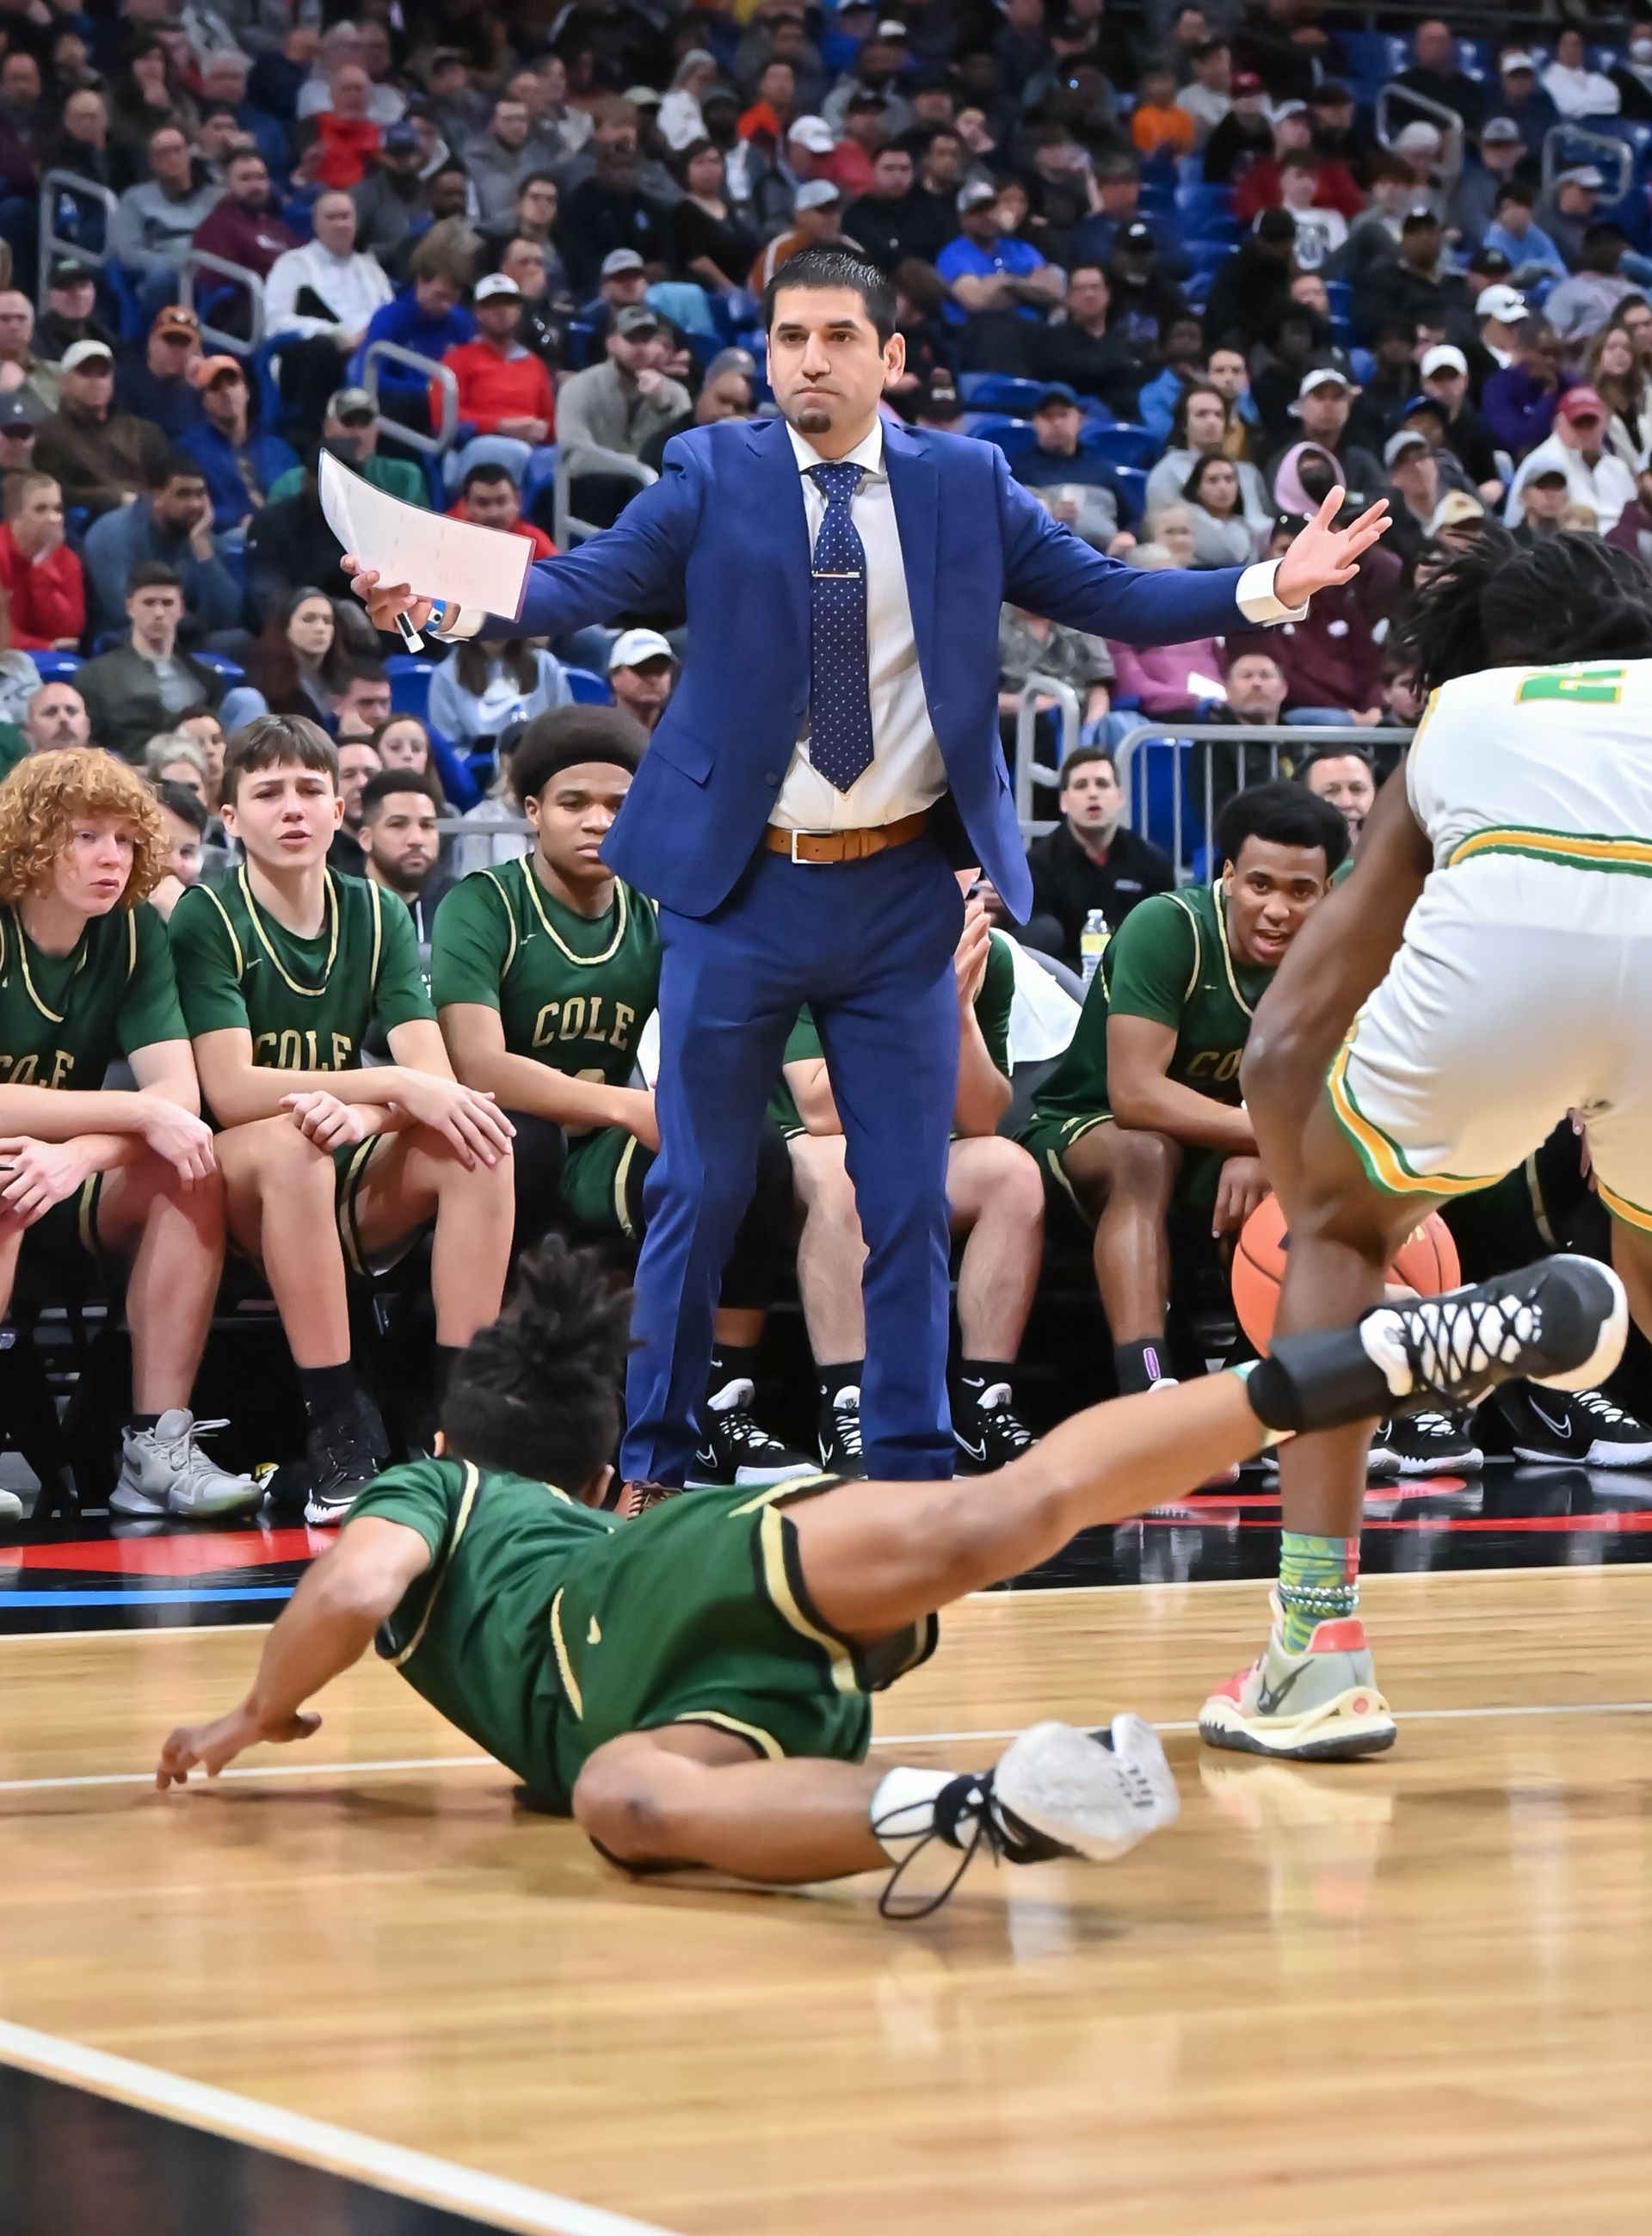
[[830, 752]]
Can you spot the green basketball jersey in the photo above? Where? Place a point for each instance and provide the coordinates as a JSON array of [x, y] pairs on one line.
[[474, 1635], [64, 1018], [572, 991], [1170, 961], [992, 1007], [307, 1002]]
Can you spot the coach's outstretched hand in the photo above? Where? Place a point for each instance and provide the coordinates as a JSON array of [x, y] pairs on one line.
[[384, 601], [1325, 555]]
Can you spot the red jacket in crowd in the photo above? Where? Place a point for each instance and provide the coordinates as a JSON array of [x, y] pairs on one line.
[[347, 142], [496, 385], [45, 602], [543, 548]]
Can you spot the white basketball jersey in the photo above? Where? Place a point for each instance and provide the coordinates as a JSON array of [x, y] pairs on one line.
[[1554, 762]]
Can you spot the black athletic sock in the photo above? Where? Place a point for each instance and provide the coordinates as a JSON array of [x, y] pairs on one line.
[[828, 1380], [975, 1375], [328, 1392], [730, 1362], [1321, 1380], [139, 1421], [1138, 1366]]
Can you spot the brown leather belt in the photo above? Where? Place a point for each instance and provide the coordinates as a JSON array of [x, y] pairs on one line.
[[845, 846]]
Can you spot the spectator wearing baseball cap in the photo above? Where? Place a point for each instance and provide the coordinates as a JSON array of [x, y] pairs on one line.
[[993, 277], [18, 433], [507, 405], [1445, 374], [1080, 487], [350, 428], [1567, 210], [241, 464], [622, 403], [1595, 475], [1323, 400], [1252, 289], [1503, 313], [641, 670], [817, 223], [1473, 201], [389, 199], [156, 386], [1519, 400], [70, 311], [1245, 134], [99, 456], [1526, 103]]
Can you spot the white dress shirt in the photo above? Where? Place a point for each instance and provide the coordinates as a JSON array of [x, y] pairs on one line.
[[906, 772]]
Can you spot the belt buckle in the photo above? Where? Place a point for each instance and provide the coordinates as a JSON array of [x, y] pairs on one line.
[[796, 835]]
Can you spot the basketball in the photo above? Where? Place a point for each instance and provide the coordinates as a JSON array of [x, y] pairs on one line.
[[1426, 1261]]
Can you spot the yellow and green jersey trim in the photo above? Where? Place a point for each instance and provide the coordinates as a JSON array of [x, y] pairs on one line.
[[1386, 1163], [1577, 850], [1632, 1214]]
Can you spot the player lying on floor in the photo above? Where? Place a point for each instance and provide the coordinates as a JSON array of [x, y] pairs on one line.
[[693, 1686]]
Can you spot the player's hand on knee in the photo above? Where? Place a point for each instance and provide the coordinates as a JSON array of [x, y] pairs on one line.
[[34, 1175], [323, 1118], [177, 1135], [1241, 1188], [467, 1119]]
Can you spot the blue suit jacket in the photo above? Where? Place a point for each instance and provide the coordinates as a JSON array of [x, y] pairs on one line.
[[723, 535]]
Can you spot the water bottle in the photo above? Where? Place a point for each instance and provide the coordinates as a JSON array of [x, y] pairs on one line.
[[1091, 941]]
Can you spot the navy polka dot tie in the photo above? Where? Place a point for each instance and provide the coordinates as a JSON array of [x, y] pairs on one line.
[[839, 698]]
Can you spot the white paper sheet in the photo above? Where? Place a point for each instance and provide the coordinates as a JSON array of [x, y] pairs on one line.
[[436, 557]]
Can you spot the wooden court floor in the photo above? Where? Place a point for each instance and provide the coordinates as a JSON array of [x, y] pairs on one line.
[[1409, 1994]]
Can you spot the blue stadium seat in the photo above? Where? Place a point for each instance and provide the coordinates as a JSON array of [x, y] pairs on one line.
[[540, 473], [1362, 364], [1340, 294], [1000, 392], [1130, 486], [410, 684], [1209, 256], [1124, 444], [588, 690], [1013, 437], [1201, 205], [230, 671], [55, 667]]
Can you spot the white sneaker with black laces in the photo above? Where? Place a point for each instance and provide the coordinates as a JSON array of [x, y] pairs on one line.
[[1054, 1792], [737, 1449], [163, 1471], [986, 1428], [838, 1433], [10, 1510], [1576, 1428], [1426, 1444]]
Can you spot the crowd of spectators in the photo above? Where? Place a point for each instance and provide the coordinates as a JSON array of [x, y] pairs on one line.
[[1175, 260]]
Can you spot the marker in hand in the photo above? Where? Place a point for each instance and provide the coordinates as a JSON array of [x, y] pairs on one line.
[[408, 635]]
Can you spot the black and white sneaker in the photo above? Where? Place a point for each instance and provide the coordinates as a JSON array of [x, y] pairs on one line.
[[737, 1449], [1054, 1792], [340, 1459], [986, 1428], [1426, 1444], [838, 1434], [1561, 1323], [1581, 1428]]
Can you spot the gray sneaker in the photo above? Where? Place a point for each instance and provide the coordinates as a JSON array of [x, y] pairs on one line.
[[10, 1510], [163, 1471]]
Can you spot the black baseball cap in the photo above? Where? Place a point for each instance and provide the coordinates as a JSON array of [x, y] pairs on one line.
[[70, 271]]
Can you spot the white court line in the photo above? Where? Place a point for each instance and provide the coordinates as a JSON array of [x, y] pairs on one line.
[[312, 2142], [393, 1766]]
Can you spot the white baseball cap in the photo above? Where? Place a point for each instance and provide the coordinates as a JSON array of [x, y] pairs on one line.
[[814, 134], [633, 647], [1443, 358], [497, 284], [816, 195], [1322, 376], [1503, 303]]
